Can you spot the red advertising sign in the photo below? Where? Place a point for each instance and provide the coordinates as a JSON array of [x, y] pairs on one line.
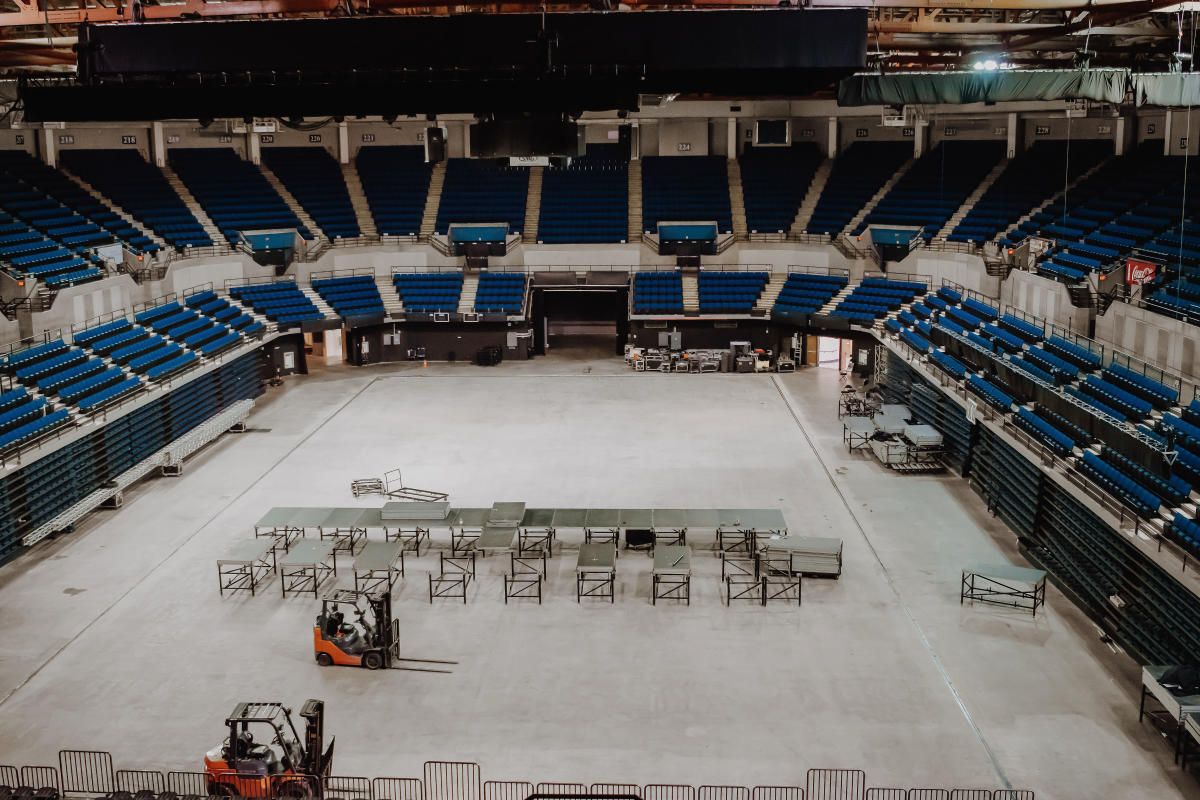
[[1138, 272]]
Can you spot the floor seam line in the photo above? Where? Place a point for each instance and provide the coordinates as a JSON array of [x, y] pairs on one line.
[[181, 545], [925, 643]]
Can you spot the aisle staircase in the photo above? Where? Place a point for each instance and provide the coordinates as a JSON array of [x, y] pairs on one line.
[[809, 203], [770, 292], [466, 300], [393, 306], [874, 201], [294, 204], [691, 292], [737, 202], [437, 179], [837, 298], [116, 209], [358, 200], [635, 200], [180, 188], [319, 302], [972, 199], [533, 205]]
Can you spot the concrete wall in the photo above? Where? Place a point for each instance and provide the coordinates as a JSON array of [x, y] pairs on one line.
[[1059, 127], [1168, 343], [952, 129], [962, 268], [77, 304], [869, 129], [676, 133], [1044, 298]]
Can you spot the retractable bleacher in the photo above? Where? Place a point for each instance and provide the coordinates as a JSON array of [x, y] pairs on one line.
[[70, 194], [141, 190], [934, 187], [658, 292], [1029, 180], [313, 177], [774, 183], [395, 180], [233, 192], [857, 174], [478, 190], [500, 293], [730, 292], [804, 293], [587, 200], [351, 296], [282, 303], [429, 292], [685, 189]]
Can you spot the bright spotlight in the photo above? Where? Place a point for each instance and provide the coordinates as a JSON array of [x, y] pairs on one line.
[[990, 64], [978, 65]]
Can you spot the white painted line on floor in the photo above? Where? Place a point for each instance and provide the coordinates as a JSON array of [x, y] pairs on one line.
[[789, 401]]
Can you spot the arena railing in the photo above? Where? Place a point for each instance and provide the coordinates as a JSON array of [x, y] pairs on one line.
[[96, 321], [89, 775], [231, 282], [157, 301], [801, 269], [911, 277]]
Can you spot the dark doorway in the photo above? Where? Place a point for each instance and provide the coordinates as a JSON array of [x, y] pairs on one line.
[[581, 322]]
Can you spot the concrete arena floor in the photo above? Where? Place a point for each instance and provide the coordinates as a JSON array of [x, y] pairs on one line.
[[115, 637]]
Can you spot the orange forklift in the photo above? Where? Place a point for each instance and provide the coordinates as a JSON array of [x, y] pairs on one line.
[[287, 767], [374, 642]]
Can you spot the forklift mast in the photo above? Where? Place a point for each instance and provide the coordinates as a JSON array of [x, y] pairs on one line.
[[317, 761]]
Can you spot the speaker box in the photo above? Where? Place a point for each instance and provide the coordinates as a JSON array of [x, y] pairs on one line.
[[435, 145]]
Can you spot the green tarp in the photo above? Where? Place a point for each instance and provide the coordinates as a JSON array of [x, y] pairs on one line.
[[930, 88], [1167, 89]]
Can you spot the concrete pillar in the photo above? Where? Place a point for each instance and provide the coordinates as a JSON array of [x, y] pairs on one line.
[[635, 142], [1167, 132], [466, 140], [48, 147], [1015, 139], [333, 346], [253, 148], [920, 138], [832, 146], [158, 144], [731, 139], [343, 142], [1120, 135]]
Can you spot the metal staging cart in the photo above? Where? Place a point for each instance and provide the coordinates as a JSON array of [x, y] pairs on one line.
[[526, 570], [672, 577], [857, 432], [596, 571], [247, 564], [1004, 585], [456, 573], [307, 566]]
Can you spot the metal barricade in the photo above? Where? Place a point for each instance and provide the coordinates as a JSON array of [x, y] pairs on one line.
[[971, 794], [140, 780], [398, 789], [668, 791], [41, 778], [452, 780], [10, 777], [776, 793], [1013, 794], [616, 789], [346, 788], [86, 772], [562, 788], [836, 784], [887, 794], [188, 783], [928, 794], [708, 792], [507, 790]]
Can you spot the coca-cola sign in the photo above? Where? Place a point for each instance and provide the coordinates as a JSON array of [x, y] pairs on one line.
[[1138, 272]]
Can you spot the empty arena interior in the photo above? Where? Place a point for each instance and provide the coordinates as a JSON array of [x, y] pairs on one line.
[[731, 401]]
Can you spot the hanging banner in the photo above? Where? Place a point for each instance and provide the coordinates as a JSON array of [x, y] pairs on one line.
[[1139, 271]]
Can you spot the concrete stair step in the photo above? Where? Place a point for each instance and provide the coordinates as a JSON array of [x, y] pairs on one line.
[[358, 200], [973, 198], [319, 302], [878, 196], [770, 292], [533, 205], [466, 300], [809, 203], [293, 204], [432, 200], [194, 206], [116, 209], [393, 306], [635, 201]]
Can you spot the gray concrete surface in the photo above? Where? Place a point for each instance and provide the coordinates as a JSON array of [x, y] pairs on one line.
[[115, 637]]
